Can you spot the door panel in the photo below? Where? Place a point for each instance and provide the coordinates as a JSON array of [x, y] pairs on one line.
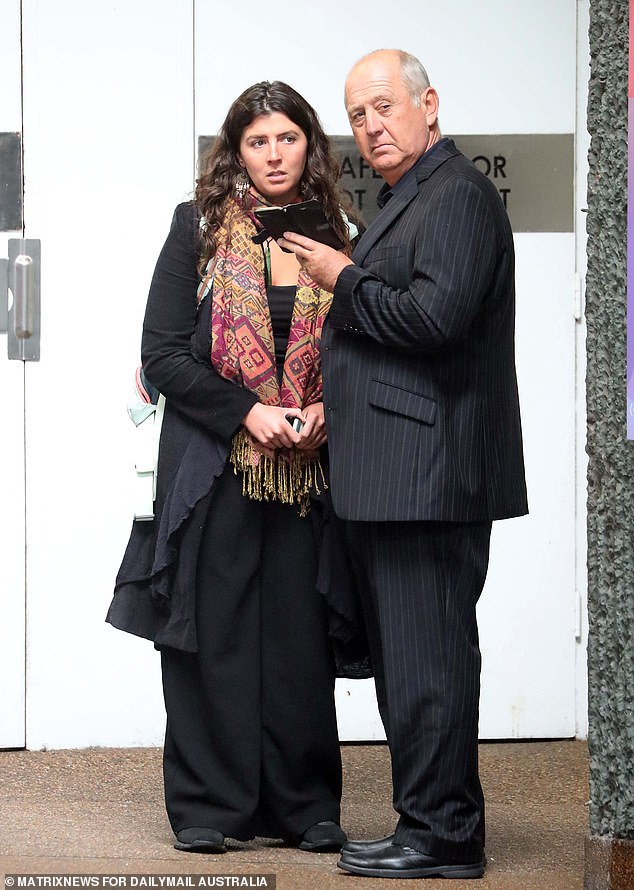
[[109, 153], [527, 610], [526, 613], [12, 545]]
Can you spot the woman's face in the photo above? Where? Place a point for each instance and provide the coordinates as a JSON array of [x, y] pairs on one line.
[[273, 153]]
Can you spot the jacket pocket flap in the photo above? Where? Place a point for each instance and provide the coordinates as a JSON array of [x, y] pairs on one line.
[[387, 253], [402, 401]]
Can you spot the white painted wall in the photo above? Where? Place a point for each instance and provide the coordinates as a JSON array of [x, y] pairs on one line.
[[109, 133]]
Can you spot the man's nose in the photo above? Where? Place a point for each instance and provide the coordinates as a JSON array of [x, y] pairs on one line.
[[373, 122]]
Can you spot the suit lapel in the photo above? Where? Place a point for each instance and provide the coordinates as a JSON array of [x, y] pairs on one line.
[[406, 191], [383, 220]]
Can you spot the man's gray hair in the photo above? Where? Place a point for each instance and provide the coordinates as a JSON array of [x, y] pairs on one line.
[[413, 75]]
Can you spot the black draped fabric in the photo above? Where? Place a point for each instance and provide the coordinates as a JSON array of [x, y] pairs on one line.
[[155, 586]]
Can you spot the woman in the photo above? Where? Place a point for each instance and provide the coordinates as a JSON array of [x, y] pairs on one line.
[[224, 580]]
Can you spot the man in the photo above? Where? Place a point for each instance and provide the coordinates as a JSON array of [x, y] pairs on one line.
[[425, 450]]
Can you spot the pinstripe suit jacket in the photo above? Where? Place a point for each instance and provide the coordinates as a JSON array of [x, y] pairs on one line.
[[420, 389]]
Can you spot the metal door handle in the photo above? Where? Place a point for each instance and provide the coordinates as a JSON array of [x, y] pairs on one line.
[[4, 295], [24, 297], [20, 274]]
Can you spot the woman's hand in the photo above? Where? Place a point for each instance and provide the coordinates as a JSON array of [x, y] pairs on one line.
[[313, 433], [269, 427]]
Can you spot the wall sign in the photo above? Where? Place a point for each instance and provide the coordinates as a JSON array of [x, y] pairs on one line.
[[534, 175]]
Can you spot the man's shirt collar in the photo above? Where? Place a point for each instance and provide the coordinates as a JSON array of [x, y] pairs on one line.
[[386, 192]]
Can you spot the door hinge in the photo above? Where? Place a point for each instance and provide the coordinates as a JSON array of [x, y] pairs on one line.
[[20, 299]]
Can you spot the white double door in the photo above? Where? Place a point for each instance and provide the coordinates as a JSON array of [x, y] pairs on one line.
[[114, 98], [12, 499]]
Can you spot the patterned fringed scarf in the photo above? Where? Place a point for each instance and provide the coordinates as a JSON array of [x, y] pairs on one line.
[[242, 350]]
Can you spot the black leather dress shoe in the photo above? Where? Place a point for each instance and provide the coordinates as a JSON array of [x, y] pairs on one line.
[[324, 837], [395, 861], [363, 846], [200, 840]]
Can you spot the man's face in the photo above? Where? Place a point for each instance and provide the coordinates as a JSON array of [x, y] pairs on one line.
[[390, 131]]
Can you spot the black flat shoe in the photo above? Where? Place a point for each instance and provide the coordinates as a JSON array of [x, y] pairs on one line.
[[395, 861], [362, 846], [200, 840], [324, 837]]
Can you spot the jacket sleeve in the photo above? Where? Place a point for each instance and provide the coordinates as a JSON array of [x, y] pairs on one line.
[[453, 262], [187, 380]]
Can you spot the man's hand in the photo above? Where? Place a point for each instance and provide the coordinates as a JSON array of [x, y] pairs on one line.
[[322, 263]]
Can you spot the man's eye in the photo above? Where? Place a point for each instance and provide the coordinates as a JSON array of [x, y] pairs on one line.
[[357, 117], [384, 107]]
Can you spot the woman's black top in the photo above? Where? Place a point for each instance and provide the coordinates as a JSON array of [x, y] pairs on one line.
[[281, 299]]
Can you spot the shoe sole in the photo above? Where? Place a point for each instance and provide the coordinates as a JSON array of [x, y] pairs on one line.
[[320, 848], [443, 871], [200, 847]]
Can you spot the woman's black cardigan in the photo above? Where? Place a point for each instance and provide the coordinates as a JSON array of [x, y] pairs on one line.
[[155, 587]]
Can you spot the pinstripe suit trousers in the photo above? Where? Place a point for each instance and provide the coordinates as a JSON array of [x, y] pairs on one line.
[[420, 582]]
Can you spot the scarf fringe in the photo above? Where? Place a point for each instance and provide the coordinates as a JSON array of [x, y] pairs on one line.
[[287, 477]]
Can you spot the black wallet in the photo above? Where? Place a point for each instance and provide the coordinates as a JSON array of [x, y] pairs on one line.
[[306, 218]]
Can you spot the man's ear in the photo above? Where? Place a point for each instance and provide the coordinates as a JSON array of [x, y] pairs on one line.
[[430, 103]]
